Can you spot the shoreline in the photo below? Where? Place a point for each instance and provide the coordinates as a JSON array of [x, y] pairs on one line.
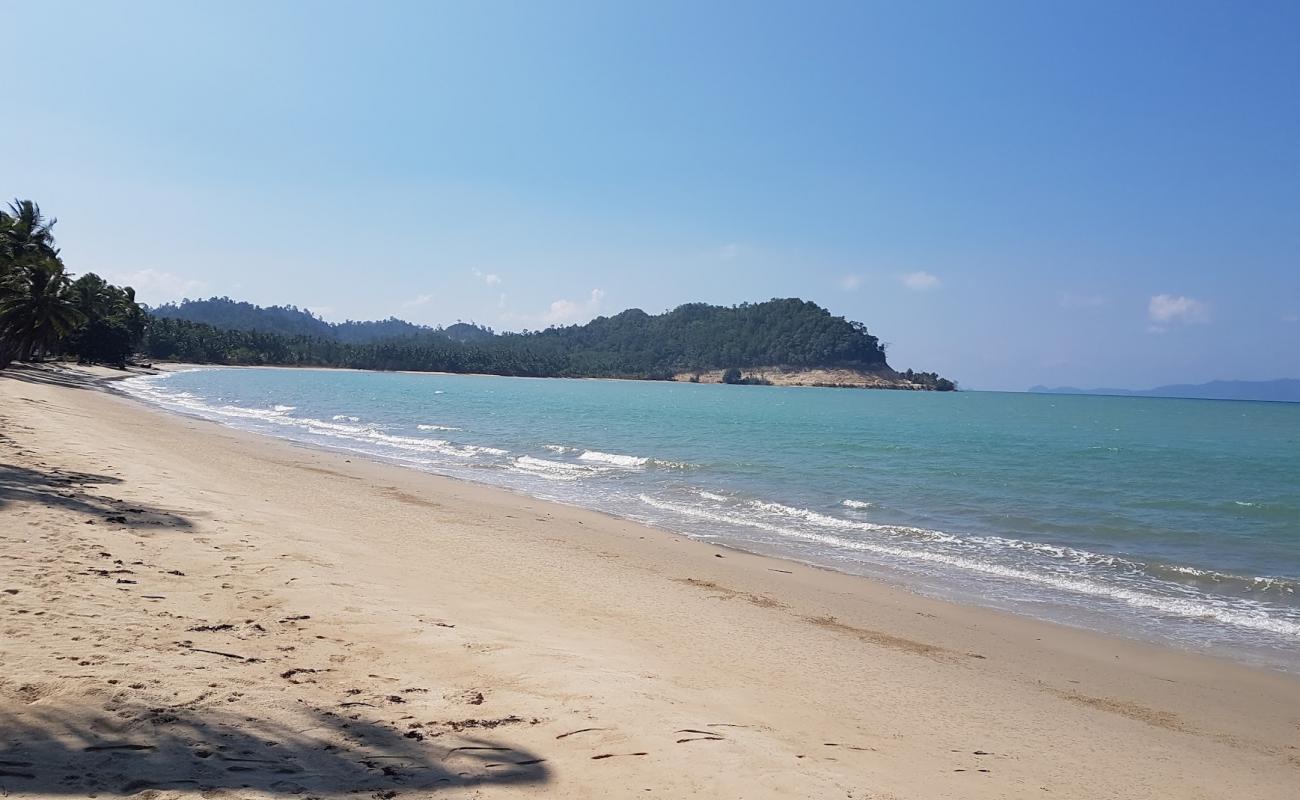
[[1054, 611], [578, 618], [173, 365]]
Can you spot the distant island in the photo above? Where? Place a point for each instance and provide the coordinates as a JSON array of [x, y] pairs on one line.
[[787, 342], [1282, 390]]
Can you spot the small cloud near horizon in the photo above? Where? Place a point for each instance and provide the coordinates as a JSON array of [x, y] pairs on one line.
[[418, 300], [920, 281], [490, 278], [850, 283], [563, 312], [155, 287], [1165, 309]]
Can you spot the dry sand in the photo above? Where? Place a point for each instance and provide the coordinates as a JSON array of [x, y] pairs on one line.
[[186, 610]]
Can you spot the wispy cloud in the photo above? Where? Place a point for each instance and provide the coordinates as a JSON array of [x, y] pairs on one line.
[[1167, 308], [1291, 317], [850, 283], [563, 312], [155, 287], [418, 300], [490, 278], [920, 281], [729, 251]]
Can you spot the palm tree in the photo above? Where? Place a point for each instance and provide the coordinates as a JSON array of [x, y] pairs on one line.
[[36, 310], [25, 234]]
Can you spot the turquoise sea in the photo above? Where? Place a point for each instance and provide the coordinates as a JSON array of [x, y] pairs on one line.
[[1169, 520]]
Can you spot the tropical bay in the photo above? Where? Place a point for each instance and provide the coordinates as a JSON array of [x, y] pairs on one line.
[[676, 400]]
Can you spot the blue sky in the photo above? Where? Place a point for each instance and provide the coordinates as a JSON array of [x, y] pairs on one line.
[[1079, 193]]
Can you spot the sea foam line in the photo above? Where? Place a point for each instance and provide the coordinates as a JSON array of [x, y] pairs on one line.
[[614, 459], [1255, 620]]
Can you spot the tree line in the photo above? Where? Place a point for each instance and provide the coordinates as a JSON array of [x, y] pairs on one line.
[[633, 344], [44, 312]]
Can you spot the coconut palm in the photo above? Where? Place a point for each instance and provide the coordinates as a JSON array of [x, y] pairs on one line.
[[36, 310], [25, 234]]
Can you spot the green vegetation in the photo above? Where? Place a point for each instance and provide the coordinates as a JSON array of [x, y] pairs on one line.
[[631, 344], [735, 377], [43, 312], [222, 312]]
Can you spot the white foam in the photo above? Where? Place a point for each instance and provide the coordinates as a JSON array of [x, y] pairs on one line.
[[332, 428], [856, 505], [559, 448], [614, 459], [711, 496], [1252, 618], [1083, 557], [437, 428], [827, 521], [552, 470]]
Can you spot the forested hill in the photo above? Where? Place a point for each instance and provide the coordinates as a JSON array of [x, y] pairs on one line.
[[222, 312], [45, 313], [787, 333]]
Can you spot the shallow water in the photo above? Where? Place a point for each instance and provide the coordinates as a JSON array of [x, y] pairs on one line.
[[1167, 520]]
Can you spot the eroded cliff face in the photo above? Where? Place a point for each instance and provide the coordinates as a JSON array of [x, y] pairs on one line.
[[830, 376]]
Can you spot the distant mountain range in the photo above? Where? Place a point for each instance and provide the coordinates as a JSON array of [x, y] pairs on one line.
[[1283, 390]]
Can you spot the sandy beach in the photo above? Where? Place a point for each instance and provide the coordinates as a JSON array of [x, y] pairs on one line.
[[192, 611]]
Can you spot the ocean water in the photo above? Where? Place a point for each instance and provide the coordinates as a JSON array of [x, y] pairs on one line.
[[1169, 520]]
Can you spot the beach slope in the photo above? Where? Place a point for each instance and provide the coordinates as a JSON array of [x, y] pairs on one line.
[[187, 610]]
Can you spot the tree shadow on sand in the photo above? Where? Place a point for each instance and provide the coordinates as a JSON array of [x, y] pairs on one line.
[[53, 751], [58, 374], [73, 491]]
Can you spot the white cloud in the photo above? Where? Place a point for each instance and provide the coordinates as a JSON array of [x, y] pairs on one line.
[[491, 279], [418, 300], [1165, 308], [728, 251], [850, 283], [1291, 317], [920, 281], [155, 287], [563, 312]]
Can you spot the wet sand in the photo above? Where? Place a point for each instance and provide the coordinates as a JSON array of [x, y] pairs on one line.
[[187, 611]]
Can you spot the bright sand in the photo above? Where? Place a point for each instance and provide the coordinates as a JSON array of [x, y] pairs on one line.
[[190, 610]]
